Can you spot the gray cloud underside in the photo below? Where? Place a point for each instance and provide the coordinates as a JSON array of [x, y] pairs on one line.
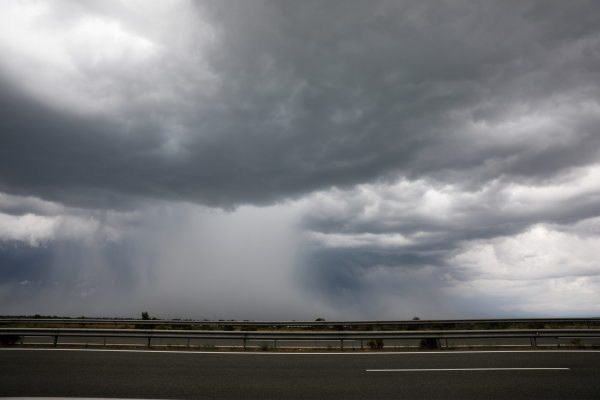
[[312, 96]]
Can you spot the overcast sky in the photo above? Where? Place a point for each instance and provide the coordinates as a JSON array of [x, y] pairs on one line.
[[293, 160]]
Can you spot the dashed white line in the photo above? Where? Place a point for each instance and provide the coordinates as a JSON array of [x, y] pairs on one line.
[[464, 369]]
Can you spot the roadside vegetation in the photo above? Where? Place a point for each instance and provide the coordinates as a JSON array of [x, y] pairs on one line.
[[213, 325]]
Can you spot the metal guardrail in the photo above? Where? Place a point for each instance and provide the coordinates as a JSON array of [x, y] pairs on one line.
[[116, 322], [532, 334]]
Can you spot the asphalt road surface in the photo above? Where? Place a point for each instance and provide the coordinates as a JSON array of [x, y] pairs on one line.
[[257, 375]]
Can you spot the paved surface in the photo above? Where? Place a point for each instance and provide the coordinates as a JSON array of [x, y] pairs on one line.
[[172, 375]]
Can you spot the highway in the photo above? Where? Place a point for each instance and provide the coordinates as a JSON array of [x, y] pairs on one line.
[[341, 375]]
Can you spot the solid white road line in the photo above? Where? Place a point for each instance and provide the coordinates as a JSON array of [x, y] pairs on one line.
[[463, 369]]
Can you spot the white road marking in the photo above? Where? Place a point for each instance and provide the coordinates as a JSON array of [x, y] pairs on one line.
[[463, 369]]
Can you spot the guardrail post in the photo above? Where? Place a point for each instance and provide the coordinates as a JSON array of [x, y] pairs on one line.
[[446, 343], [275, 344], [105, 341], [361, 344], [342, 343], [188, 343], [244, 342], [149, 338], [22, 338], [533, 341], [55, 340], [439, 345]]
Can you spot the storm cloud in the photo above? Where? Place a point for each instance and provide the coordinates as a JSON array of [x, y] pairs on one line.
[[296, 160]]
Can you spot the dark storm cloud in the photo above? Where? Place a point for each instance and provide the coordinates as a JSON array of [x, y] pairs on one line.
[[22, 263], [315, 95], [65, 260], [64, 275], [409, 132], [342, 268]]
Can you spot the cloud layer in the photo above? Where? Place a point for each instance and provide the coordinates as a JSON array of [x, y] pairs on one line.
[[368, 155]]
